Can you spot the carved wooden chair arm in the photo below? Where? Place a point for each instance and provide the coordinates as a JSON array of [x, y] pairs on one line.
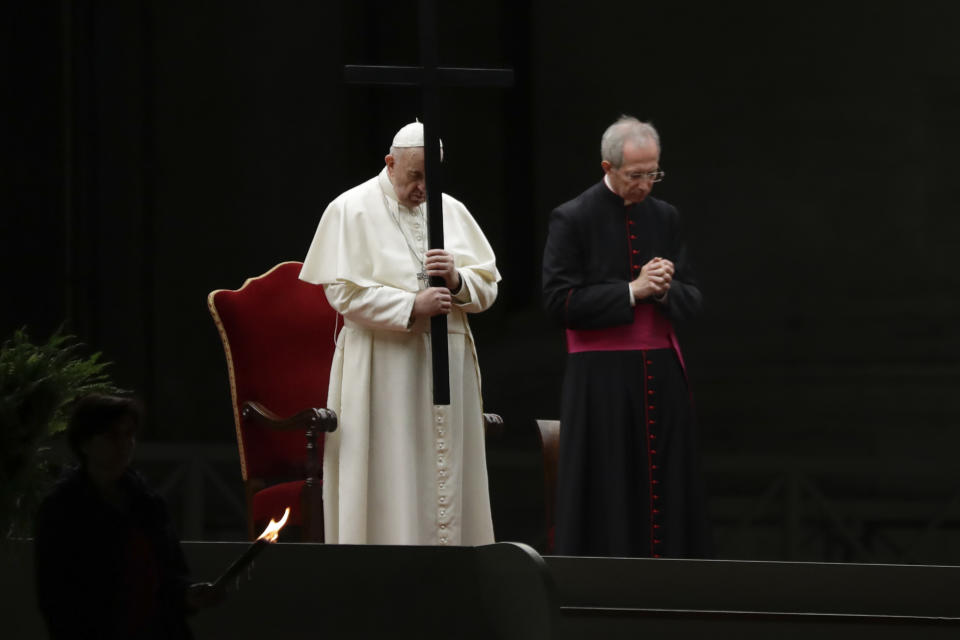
[[310, 419], [493, 425]]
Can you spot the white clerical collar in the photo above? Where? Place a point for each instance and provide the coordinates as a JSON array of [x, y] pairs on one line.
[[606, 181]]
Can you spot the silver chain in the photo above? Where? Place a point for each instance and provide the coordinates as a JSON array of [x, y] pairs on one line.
[[422, 275]]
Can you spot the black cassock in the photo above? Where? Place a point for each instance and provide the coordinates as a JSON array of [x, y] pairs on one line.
[[629, 481]]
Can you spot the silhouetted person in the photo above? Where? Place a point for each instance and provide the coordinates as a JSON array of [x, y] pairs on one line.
[[108, 562]]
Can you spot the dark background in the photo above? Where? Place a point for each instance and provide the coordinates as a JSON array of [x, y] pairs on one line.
[[155, 151]]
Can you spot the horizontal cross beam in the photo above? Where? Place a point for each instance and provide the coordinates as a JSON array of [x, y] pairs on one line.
[[416, 76]]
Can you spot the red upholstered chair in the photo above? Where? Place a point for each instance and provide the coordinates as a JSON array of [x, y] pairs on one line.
[[279, 337]]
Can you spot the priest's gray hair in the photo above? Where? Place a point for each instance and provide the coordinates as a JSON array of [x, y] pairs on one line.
[[626, 128]]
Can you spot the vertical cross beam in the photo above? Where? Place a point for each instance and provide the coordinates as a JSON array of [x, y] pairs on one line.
[[431, 154], [431, 77]]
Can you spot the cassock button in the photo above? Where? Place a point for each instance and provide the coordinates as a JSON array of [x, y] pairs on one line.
[[649, 361], [650, 392], [633, 237], [635, 252], [653, 452], [654, 467], [654, 482], [651, 407], [656, 497], [652, 437], [656, 555]]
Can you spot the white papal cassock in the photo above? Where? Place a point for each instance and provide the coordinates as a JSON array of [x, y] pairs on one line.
[[398, 470]]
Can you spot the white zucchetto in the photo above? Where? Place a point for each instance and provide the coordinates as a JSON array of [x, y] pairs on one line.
[[410, 135]]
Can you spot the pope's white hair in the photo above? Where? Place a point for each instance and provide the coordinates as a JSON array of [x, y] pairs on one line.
[[626, 128], [396, 151]]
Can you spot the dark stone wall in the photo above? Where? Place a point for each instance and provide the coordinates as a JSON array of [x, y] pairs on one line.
[[810, 150]]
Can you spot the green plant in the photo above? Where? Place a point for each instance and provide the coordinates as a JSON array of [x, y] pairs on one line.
[[38, 384]]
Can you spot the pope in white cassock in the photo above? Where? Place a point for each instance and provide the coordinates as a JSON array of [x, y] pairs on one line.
[[400, 470]]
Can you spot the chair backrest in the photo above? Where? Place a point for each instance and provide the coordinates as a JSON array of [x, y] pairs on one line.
[[549, 431], [279, 337]]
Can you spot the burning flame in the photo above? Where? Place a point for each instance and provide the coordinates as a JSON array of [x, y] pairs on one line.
[[272, 532]]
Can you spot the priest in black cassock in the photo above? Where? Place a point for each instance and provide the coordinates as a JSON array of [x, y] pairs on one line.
[[616, 275]]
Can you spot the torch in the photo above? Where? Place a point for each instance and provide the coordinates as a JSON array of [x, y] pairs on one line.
[[269, 536]]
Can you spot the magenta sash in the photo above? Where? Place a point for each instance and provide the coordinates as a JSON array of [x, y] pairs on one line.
[[650, 329]]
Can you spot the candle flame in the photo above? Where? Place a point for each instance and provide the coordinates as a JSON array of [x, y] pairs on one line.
[[272, 532]]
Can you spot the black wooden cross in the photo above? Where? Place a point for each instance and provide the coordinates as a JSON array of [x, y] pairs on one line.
[[431, 77]]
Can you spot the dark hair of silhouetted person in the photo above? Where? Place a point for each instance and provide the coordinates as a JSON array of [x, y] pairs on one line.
[[95, 414]]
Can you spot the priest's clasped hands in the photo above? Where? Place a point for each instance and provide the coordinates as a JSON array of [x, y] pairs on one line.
[[433, 301], [654, 279]]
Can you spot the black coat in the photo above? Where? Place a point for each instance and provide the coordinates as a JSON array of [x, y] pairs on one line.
[[105, 572]]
